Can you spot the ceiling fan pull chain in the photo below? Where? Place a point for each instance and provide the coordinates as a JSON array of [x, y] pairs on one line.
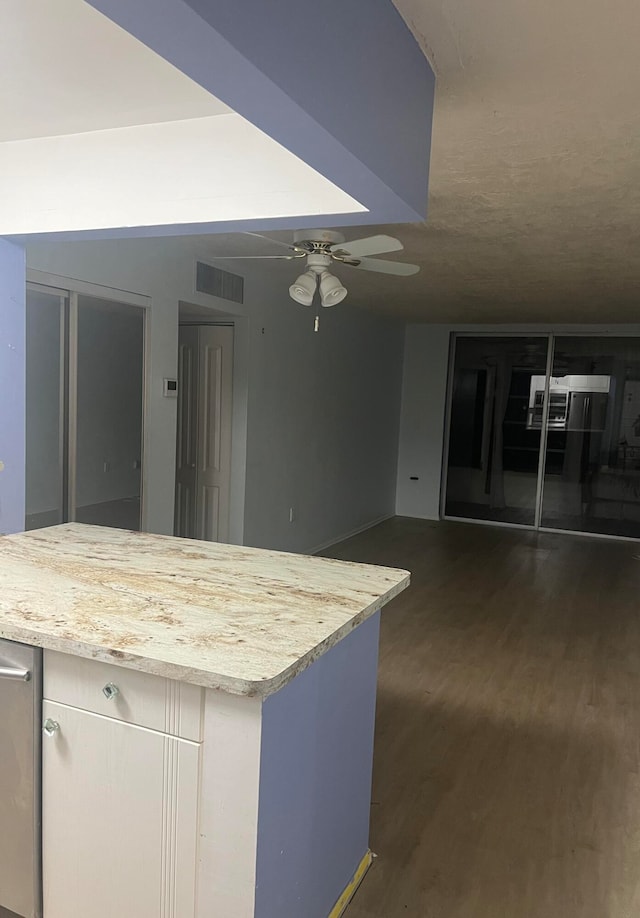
[[316, 324]]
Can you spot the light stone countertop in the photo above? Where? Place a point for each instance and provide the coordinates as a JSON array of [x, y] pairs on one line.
[[242, 620]]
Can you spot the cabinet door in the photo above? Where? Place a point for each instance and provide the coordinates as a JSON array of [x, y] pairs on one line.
[[120, 807]]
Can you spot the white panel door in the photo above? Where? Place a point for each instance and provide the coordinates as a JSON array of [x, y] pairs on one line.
[[120, 819], [215, 369], [203, 455], [187, 442]]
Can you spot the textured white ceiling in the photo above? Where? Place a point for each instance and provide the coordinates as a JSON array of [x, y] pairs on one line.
[[535, 180], [535, 177]]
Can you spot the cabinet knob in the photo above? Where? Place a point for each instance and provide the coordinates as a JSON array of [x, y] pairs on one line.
[[110, 691], [51, 727]]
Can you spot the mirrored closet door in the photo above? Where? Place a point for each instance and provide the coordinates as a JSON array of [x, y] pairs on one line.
[[84, 417], [46, 414], [495, 428], [545, 432], [592, 468]]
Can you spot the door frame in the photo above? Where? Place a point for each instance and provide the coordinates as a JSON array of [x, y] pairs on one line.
[[233, 522], [544, 433], [72, 289], [239, 408]]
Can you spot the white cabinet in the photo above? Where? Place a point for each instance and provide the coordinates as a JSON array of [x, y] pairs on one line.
[[124, 694], [120, 818], [149, 795]]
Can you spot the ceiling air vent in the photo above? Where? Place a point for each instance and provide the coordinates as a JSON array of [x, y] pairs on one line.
[[219, 283]]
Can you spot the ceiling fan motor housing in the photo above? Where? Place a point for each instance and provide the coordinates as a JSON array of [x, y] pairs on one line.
[[316, 239], [318, 263]]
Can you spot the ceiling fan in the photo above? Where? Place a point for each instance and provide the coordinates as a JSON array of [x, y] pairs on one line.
[[323, 248]]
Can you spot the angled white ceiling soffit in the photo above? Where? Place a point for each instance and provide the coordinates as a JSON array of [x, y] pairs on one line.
[[98, 131]]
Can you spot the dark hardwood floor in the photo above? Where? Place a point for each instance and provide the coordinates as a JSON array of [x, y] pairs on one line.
[[507, 763]]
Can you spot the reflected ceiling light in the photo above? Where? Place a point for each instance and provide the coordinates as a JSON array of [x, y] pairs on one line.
[[331, 290], [304, 288]]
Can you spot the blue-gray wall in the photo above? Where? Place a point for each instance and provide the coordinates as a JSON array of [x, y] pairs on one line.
[[12, 387], [323, 422], [344, 86], [353, 67], [315, 785]]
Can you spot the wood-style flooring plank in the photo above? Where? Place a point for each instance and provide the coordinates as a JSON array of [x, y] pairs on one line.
[[507, 759]]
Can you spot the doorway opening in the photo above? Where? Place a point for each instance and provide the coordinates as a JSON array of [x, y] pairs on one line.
[[85, 359]]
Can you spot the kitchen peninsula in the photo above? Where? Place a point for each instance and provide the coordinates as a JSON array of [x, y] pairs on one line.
[[208, 721]]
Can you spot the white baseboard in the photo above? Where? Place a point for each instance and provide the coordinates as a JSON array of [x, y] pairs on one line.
[[348, 535]]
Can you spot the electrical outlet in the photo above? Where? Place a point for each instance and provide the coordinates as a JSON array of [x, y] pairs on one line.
[[106, 466], [292, 514]]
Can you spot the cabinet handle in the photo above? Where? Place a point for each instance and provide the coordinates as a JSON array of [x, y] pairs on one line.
[[15, 672], [110, 691], [50, 727]]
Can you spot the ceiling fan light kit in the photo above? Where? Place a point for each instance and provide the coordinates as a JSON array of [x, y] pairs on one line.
[[317, 276], [331, 290], [304, 288], [323, 247]]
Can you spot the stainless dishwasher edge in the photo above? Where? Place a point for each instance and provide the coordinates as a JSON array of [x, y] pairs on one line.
[[20, 780]]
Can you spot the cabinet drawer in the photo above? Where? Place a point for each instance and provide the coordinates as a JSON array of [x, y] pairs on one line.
[[137, 698]]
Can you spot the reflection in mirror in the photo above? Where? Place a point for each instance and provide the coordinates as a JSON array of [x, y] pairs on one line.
[[592, 468], [83, 445], [494, 441], [45, 409], [109, 413]]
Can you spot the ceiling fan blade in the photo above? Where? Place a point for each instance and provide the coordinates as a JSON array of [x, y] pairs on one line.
[[371, 245], [400, 268], [252, 257], [283, 245]]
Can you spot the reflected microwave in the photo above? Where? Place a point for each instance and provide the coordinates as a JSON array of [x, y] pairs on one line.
[[558, 409]]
